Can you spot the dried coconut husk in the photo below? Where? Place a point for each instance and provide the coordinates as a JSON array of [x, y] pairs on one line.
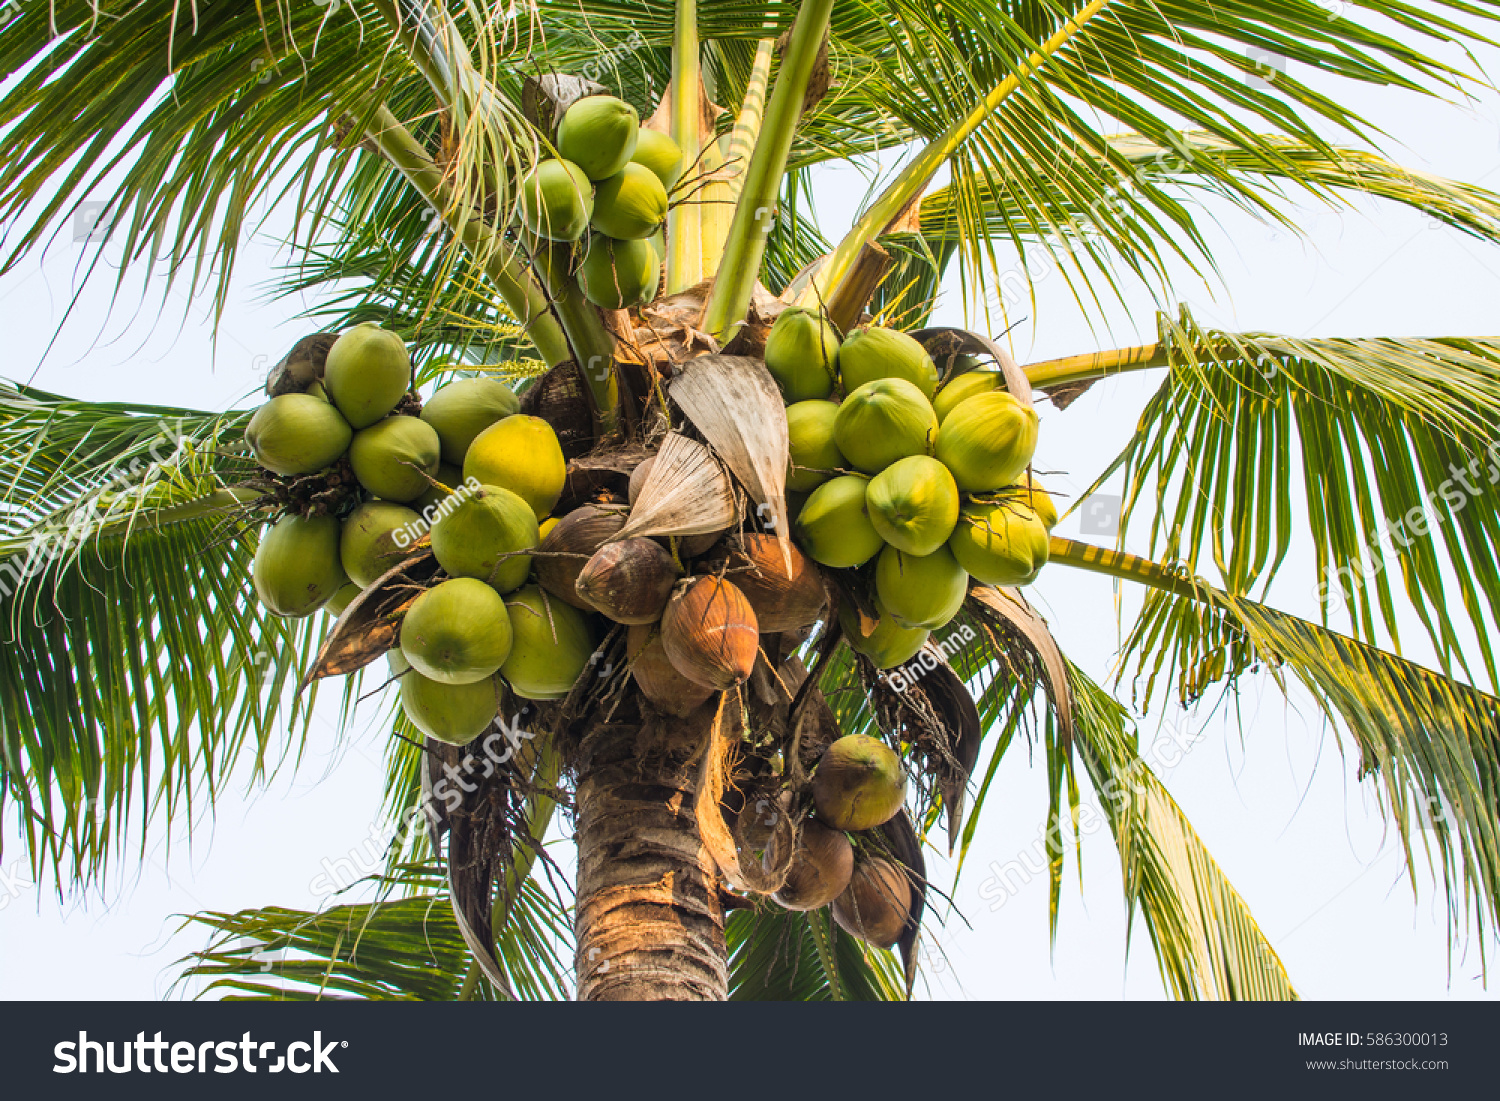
[[638, 478], [781, 603], [686, 492], [710, 634], [876, 906], [713, 780], [629, 581], [735, 403], [570, 545], [821, 866], [658, 680]]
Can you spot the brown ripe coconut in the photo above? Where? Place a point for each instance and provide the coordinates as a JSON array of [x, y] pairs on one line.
[[656, 676], [570, 543], [876, 905], [821, 868], [859, 783], [781, 603], [629, 581], [710, 633]]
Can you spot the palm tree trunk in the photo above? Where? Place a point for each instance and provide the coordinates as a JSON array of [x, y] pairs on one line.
[[650, 924]]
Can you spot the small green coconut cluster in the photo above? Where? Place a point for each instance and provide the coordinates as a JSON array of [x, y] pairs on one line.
[[467, 474], [858, 786], [928, 482], [606, 189]]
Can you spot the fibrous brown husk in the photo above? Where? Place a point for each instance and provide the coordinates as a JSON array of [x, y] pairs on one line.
[[656, 676], [686, 492], [630, 581], [877, 903], [300, 367], [821, 867], [781, 603], [569, 546], [710, 633]]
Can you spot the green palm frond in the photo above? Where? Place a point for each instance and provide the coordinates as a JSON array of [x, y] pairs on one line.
[[1432, 742], [780, 955], [137, 669], [1391, 442], [1208, 945]]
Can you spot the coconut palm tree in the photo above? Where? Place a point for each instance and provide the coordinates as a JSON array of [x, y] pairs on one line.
[[140, 672]]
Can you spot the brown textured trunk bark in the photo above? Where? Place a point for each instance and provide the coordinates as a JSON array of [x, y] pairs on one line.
[[650, 925]]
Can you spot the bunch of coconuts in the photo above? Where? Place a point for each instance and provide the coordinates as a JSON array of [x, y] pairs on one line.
[[930, 484], [467, 473], [610, 181], [858, 786]]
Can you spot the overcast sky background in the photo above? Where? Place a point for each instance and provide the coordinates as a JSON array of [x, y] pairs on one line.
[[1273, 798]]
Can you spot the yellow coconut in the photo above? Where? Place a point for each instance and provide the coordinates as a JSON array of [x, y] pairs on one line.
[[987, 441], [481, 534], [457, 632], [464, 408], [913, 504], [812, 454], [883, 421], [377, 537], [834, 526], [296, 569], [967, 385], [658, 152], [553, 645], [889, 644], [924, 592], [367, 373], [1002, 543], [451, 713], [629, 205], [395, 458], [802, 354], [877, 353], [297, 434], [1039, 501], [521, 454], [599, 134]]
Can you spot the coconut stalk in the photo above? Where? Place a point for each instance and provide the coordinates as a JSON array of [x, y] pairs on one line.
[[685, 219], [914, 178], [726, 165], [593, 349], [739, 268], [1096, 365], [522, 296]]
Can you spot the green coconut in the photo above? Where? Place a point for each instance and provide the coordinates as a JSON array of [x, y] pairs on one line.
[[834, 527], [1000, 544], [811, 453], [553, 644], [629, 205], [599, 134], [987, 441], [877, 353], [452, 713], [925, 591], [457, 632], [1040, 502], [889, 644], [616, 275], [859, 784], [464, 408], [658, 152], [378, 536], [883, 421], [394, 458], [966, 385], [802, 354], [914, 504], [397, 662], [368, 372], [449, 478], [557, 200], [296, 568], [521, 454], [297, 434], [342, 599], [480, 535]]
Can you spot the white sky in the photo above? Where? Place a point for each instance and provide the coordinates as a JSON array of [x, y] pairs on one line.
[[1275, 802]]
